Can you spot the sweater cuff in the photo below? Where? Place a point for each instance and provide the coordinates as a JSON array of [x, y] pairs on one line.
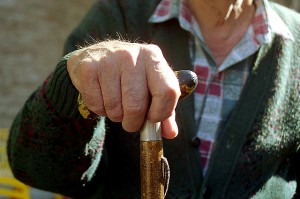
[[61, 92]]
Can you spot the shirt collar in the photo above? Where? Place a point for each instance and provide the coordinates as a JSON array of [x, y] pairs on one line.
[[169, 9], [275, 24]]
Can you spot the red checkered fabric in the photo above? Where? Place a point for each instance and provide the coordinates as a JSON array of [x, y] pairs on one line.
[[219, 86]]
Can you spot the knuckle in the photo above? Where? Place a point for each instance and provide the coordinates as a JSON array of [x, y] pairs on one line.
[[135, 110], [130, 128], [86, 69], [170, 93], [99, 110], [124, 54], [114, 111], [93, 105], [151, 49], [96, 108], [167, 100], [154, 48], [168, 113]]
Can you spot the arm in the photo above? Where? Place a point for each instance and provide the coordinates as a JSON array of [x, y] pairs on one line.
[[49, 138]]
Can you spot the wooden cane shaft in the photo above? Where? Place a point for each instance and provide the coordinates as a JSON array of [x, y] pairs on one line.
[[152, 186]]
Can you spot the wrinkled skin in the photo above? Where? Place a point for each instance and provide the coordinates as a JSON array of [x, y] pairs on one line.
[[128, 83]]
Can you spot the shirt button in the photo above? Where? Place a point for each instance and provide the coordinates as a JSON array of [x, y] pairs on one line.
[[195, 141]]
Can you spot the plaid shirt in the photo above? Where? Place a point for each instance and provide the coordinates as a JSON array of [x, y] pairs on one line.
[[219, 87]]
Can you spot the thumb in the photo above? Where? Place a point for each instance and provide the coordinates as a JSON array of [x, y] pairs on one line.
[[169, 128]]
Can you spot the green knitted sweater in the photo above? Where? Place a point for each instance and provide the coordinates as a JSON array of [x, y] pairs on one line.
[[52, 147]]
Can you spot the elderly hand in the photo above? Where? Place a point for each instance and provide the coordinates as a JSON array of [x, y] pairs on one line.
[[128, 83]]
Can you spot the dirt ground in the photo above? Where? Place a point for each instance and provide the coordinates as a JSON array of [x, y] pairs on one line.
[[32, 33]]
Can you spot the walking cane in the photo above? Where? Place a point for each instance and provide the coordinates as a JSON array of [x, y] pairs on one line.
[[154, 166]]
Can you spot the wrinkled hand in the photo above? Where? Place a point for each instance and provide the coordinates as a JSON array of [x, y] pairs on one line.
[[128, 83]]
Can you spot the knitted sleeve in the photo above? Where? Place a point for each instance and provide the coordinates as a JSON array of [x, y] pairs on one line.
[[51, 146]]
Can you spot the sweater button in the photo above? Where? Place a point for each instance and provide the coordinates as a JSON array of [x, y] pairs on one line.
[[195, 141]]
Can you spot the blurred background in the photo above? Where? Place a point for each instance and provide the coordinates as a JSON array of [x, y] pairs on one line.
[[32, 34]]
